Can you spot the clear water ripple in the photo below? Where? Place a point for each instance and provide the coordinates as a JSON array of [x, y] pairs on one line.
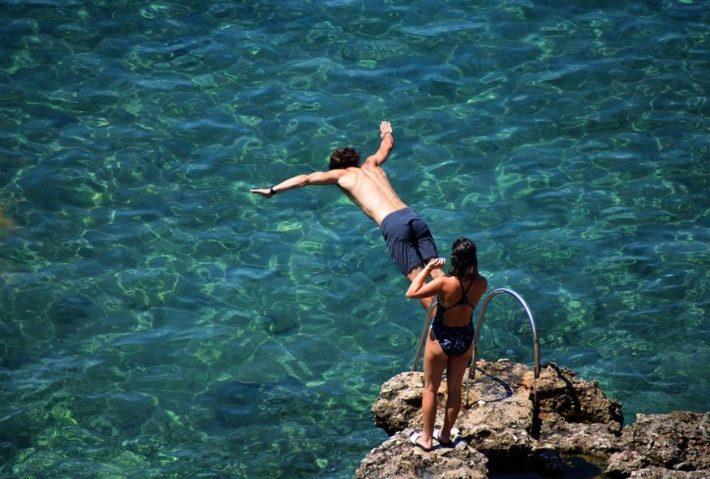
[[158, 320]]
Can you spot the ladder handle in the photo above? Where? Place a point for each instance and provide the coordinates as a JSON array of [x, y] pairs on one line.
[[479, 326]]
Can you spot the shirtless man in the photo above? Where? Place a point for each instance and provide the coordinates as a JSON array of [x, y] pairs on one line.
[[408, 238]]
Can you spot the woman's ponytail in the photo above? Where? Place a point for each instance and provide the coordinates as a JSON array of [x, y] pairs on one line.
[[464, 262]]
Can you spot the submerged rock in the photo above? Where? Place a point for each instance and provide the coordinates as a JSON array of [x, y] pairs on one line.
[[521, 423]]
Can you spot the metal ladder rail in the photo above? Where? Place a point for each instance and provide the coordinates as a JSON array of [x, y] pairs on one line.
[[479, 326], [423, 335]]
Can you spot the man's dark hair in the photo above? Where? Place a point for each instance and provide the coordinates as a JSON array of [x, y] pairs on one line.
[[344, 158]]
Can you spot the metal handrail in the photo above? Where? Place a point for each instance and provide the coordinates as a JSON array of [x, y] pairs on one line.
[[479, 326], [423, 335]]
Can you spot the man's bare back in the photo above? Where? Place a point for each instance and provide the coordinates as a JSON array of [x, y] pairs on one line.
[[369, 188], [408, 238]]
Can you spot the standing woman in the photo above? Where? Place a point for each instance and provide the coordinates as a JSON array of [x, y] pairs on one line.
[[450, 338]]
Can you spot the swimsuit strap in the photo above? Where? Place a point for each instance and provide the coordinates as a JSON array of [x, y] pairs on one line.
[[464, 297], [463, 300]]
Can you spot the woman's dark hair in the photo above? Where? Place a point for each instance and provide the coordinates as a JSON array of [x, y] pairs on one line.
[[464, 262], [344, 158]]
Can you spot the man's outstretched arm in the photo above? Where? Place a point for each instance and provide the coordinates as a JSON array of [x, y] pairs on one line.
[[318, 178], [386, 145]]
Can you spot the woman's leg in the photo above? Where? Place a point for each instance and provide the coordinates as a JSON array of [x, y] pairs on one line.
[[455, 370], [434, 364]]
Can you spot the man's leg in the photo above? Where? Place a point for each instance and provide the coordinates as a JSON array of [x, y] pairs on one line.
[[410, 245], [426, 302], [425, 245]]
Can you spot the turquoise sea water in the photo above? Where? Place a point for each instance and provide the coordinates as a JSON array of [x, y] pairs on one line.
[[157, 320]]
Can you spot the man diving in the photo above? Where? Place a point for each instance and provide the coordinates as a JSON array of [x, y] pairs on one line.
[[408, 238]]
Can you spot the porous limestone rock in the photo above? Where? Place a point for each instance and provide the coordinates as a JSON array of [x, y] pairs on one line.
[[513, 419], [499, 416], [561, 392], [660, 473], [569, 438], [397, 458], [399, 403], [677, 441]]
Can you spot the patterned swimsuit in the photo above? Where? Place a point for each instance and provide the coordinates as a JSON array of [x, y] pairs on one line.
[[454, 341]]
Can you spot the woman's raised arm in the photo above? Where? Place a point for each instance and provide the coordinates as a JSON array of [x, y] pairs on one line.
[[419, 289]]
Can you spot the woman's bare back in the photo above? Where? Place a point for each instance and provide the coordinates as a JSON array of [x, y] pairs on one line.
[[460, 314]]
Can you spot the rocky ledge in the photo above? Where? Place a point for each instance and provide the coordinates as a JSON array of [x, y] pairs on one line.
[[512, 422]]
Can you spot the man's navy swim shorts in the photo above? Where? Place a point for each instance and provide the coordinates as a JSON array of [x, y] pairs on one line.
[[408, 239]]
